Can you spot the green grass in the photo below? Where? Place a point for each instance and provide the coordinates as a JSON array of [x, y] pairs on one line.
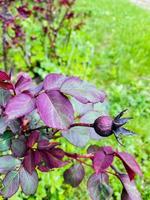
[[112, 51]]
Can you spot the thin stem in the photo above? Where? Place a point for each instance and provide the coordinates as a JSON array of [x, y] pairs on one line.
[[36, 129], [115, 169], [72, 125], [83, 162], [77, 156], [81, 124]]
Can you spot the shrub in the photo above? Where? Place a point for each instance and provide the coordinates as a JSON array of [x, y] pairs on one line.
[[34, 116]]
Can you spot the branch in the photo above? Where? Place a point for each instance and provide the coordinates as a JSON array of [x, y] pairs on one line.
[[115, 169], [77, 157], [72, 125], [81, 124]]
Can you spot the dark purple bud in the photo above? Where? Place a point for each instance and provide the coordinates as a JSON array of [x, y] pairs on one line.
[[103, 126], [106, 126]]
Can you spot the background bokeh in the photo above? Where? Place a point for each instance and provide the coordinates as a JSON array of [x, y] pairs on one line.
[[111, 50]]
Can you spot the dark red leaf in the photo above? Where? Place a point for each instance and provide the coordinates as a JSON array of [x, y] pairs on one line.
[[43, 168], [58, 153], [37, 157], [28, 162], [130, 164], [33, 138], [53, 162], [4, 76], [6, 85], [45, 144]]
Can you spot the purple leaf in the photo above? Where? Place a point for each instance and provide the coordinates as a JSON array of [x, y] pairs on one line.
[[8, 163], [103, 159], [74, 175], [98, 187], [55, 109], [130, 191], [14, 125], [4, 76], [19, 106], [4, 97], [29, 182], [35, 89], [78, 136], [54, 81], [130, 164], [52, 161], [23, 83], [18, 147], [33, 138], [10, 184], [82, 91]]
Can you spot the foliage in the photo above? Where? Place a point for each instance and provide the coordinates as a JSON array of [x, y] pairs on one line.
[[34, 114], [52, 22]]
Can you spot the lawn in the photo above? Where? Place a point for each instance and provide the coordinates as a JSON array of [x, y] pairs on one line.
[[111, 50]]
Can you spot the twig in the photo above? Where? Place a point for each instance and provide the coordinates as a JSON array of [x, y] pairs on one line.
[[72, 125]]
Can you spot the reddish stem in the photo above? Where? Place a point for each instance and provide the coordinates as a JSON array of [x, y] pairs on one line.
[[72, 125], [81, 124], [77, 156]]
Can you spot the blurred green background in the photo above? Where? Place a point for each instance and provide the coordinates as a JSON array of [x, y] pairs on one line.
[[112, 50]]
